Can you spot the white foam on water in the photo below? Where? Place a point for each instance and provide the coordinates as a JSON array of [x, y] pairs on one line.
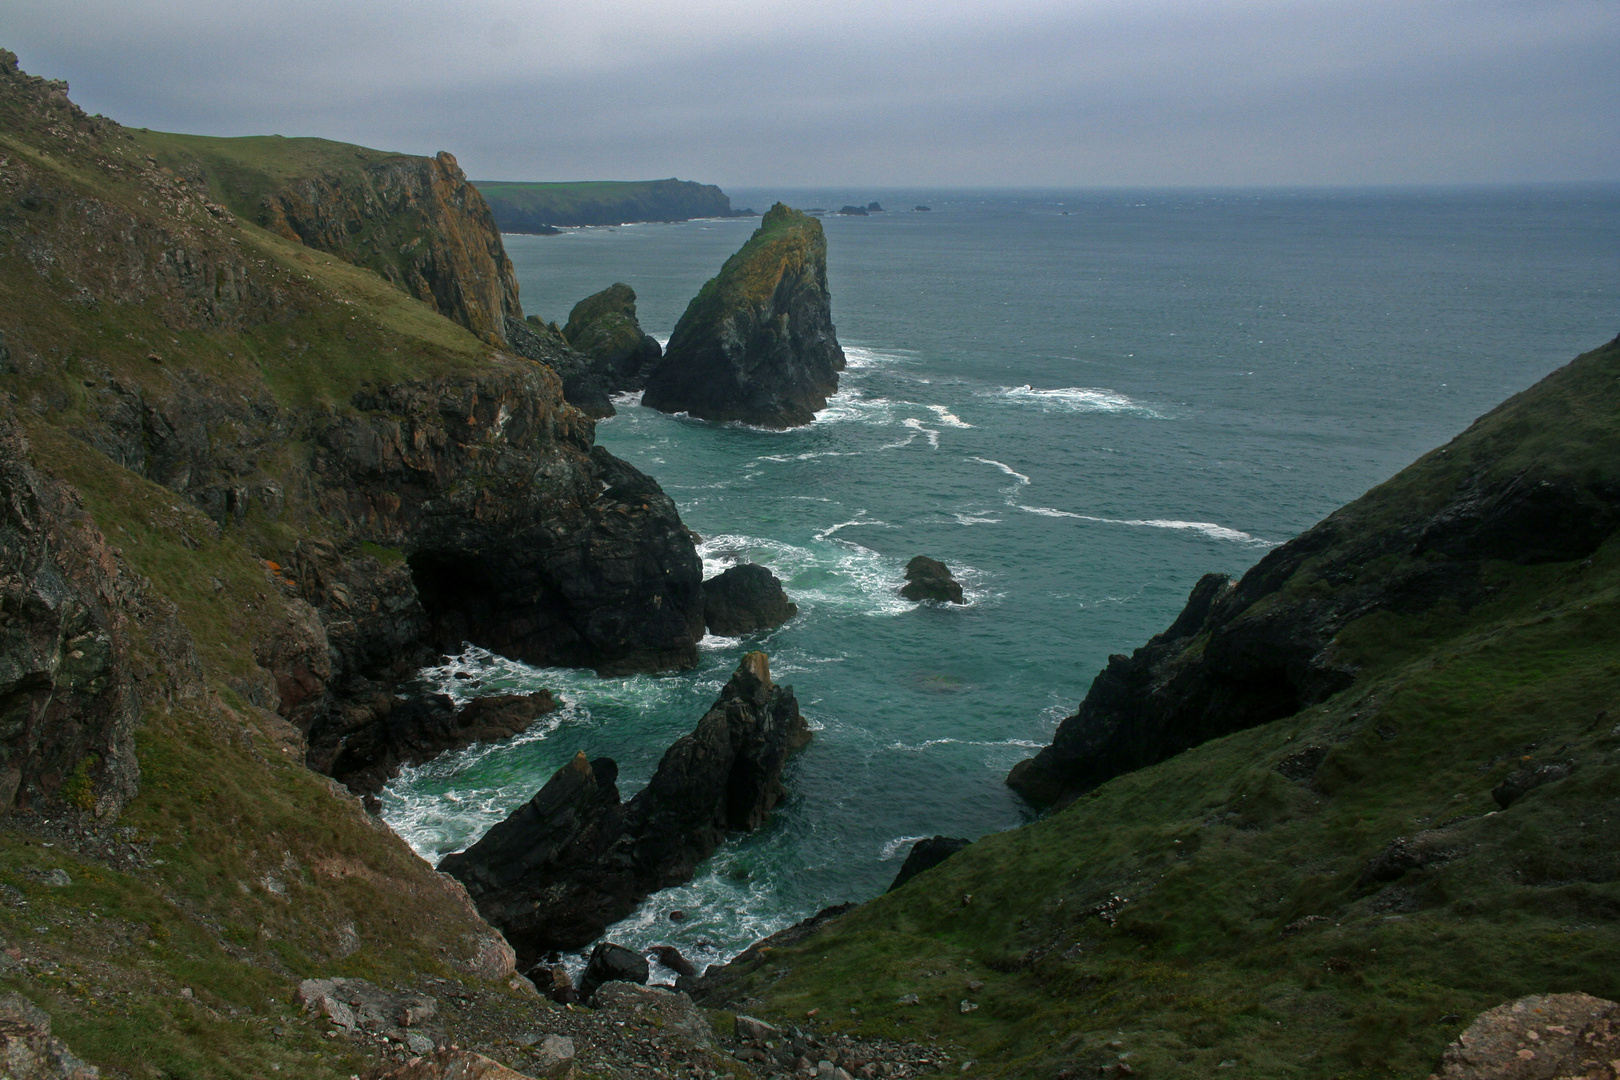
[[928, 744], [948, 418], [1076, 399], [854, 523], [1208, 528], [726, 550], [858, 357], [970, 519], [892, 849], [627, 398], [1008, 469], [917, 426]]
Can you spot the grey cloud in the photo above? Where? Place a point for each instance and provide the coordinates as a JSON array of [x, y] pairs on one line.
[[1170, 92]]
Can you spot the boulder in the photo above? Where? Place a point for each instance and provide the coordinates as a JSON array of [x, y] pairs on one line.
[[611, 963], [1541, 1037], [603, 327], [757, 345], [670, 957], [355, 1005], [930, 579], [27, 1050], [744, 599], [1518, 783], [927, 854], [574, 859]]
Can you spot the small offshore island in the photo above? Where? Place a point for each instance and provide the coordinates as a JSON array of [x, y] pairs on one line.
[[276, 435]]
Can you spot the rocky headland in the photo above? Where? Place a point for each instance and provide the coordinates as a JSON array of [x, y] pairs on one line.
[[574, 859], [757, 345], [539, 207], [1269, 645], [603, 327]]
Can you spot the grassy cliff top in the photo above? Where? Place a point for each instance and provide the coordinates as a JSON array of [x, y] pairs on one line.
[[526, 206]]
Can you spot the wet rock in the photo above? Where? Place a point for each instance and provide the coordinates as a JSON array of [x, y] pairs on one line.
[[930, 579], [757, 344], [745, 599], [1526, 779], [925, 855], [1540, 1037], [603, 326], [453, 1065], [574, 858], [670, 957], [611, 963], [27, 1050]]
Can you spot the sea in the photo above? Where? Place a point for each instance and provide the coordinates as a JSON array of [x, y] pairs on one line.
[[1080, 401]]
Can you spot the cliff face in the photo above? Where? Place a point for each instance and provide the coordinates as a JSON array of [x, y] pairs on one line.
[[573, 859], [538, 207], [603, 326], [757, 344], [1239, 655], [419, 223], [411, 488]]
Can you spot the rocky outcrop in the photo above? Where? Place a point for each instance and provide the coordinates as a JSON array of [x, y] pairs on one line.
[[1246, 653], [27, 1049], [356, 1006], [757, 345], [925, 855], [418, 223], [583, 384], [1541, 1037], [612, 963], [574, 858], [744, 600], [417, 730], [68, 703], [930, 579], [603, 326]]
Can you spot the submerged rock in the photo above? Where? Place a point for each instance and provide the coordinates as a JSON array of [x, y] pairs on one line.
[[930, 579], [927, 854], [603, 327], [574, 859], [744, 599], [757, 344]]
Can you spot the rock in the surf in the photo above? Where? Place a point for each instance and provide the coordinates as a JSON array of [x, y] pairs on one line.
[[574, 859], [612, 963], [930, 579], [756, 344], [927, 854], [745, 599], [603, 326]]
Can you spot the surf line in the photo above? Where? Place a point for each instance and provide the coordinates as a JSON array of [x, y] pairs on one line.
[[1209, 528]]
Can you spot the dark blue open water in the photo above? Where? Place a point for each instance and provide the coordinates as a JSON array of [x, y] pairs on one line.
[[1080, 414]]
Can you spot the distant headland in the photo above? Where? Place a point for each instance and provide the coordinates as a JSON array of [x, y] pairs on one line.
[[533, 207]]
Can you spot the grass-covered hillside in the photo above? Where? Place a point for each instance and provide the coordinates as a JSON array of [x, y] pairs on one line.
[[531, 207], [1330, 894]]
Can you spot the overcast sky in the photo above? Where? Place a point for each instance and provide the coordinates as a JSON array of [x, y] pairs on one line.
[[874, 92]]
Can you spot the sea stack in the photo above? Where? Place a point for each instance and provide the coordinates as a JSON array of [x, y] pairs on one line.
[[756, 344], [603, 326]]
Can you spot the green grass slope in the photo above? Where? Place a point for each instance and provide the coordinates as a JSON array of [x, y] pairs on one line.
[[524, 207], [1243, 908]]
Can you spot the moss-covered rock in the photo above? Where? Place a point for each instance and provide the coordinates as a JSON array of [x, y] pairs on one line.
[[757, 343], [603, 326]]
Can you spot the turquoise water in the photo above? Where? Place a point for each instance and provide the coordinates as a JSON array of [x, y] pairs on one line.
[[1080, 413]]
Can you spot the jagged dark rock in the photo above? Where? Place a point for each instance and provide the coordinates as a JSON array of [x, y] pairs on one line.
[[874, 208], [930, 579], [1264, 648], [745, 599], [671, 957], [757, 344], [573, 859], [852, 211], [397, 733], [612, 963], [603, 327], [925, 855], [582, 383], [68, 703]]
